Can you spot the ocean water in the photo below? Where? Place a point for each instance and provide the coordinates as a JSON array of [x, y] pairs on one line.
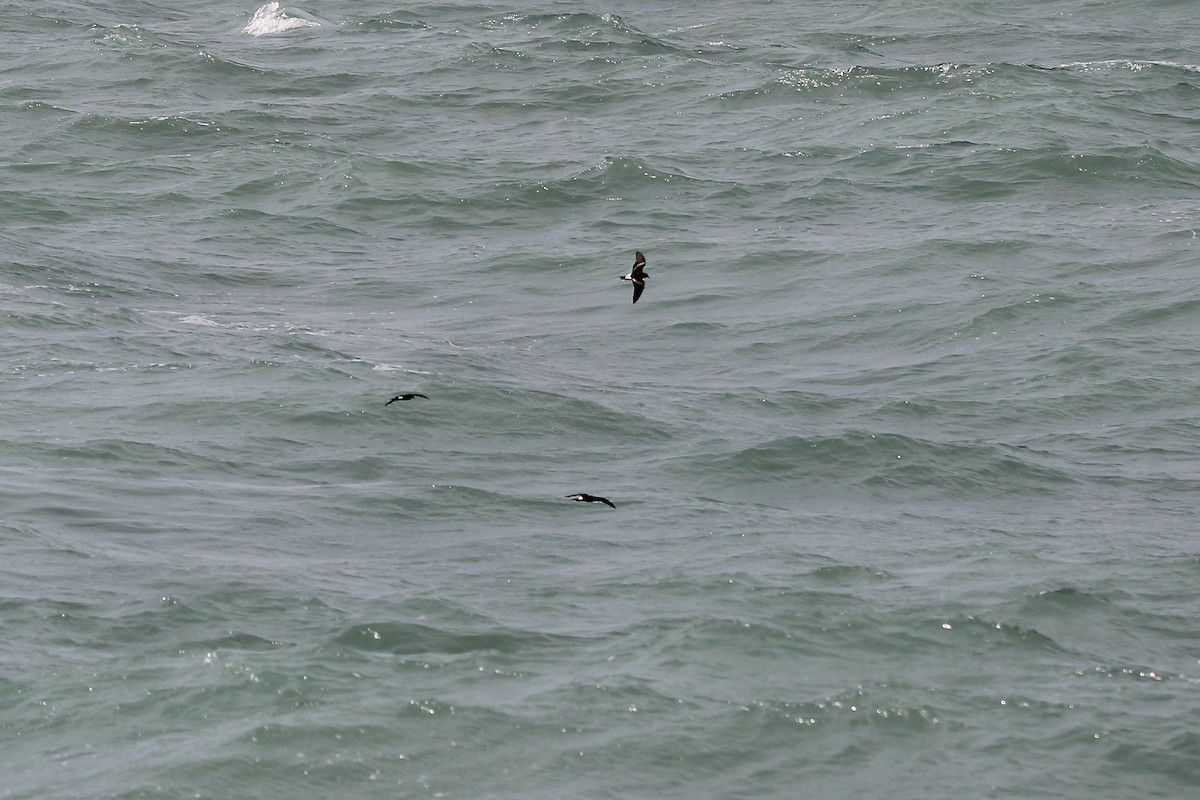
[[902, 435]]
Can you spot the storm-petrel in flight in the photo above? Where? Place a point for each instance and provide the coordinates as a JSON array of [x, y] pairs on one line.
[[638, 275], [590, 498], [404, 397]]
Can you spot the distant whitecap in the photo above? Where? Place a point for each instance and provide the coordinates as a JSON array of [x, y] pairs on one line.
[[271, 19], [198, 319], [398, 368]]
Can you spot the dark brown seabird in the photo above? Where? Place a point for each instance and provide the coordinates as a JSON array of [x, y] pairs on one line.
[[404, 397], [637, 275], [590, 498]]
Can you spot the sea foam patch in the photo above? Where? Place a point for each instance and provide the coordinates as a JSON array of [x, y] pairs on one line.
[[271, 19]]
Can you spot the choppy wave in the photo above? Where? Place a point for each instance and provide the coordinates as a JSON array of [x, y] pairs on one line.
[[273, 18], [901, 436]]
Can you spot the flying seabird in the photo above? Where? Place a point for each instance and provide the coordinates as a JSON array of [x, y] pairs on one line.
[[590, 498], [637, 275], [404, 397]]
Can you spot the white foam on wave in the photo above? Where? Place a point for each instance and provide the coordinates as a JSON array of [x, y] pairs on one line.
[[271, 19], [1133, 65], [398, 368], [199, 319]]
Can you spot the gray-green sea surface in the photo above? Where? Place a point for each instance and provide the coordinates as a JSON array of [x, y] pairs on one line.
[[902, 435]]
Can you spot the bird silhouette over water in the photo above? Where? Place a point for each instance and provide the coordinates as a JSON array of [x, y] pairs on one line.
[[637, 276], [591, 498], [404, 397]]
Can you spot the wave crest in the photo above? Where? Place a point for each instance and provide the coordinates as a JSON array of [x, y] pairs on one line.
[[271, 19]]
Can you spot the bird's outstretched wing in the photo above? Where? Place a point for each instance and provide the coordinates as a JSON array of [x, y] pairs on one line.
[[639, 263]]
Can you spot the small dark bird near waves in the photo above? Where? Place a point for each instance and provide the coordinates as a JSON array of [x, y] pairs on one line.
[[637, 276], [404, 397], [591, 498]]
